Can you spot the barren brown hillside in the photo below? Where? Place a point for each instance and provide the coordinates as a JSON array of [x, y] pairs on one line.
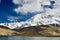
[[31, 31]]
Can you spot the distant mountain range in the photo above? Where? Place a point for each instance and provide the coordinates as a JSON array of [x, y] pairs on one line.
[[38, 19], [51, 15]]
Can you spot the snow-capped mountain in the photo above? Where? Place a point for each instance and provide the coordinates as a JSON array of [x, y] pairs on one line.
[[49, 16], [38, 19]]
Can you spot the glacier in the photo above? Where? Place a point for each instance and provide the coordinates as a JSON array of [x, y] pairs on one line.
[[50, 15]]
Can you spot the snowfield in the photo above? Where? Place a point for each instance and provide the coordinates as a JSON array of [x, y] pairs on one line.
[[51, 15], [34, 21]]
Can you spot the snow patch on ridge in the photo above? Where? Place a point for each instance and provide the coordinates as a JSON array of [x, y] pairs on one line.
[[38, 19], [49, 16]]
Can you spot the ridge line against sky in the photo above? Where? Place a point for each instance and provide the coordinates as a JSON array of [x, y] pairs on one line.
[[25, 9], [33, 12]]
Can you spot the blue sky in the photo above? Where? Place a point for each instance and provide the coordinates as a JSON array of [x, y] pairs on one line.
[[6, 10], [18, 10]]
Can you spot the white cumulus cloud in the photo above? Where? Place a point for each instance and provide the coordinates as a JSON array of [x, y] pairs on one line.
[[32, 6], [28, 6]]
